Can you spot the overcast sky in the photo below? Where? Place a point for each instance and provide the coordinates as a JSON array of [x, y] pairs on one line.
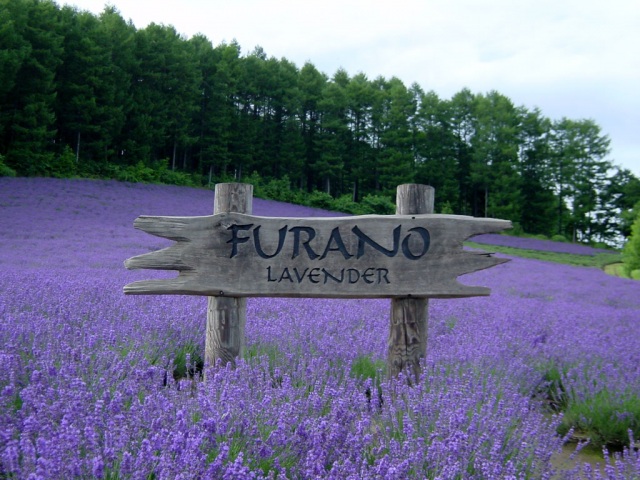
[[570, 58]]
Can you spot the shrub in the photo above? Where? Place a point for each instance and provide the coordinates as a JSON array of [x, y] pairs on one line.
[[173, 177], [346, 204], [64, 165], [516, 229], [321, 200], [256, 180], [280, 189], [138, 173], [6, 170], [540, 236], [559, 238], [378, 204], [631, 250]]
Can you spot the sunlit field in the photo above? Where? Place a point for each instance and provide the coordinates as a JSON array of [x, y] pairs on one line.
[[96, 384]]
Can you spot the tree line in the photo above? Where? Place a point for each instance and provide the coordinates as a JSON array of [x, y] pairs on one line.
[[91, 95]]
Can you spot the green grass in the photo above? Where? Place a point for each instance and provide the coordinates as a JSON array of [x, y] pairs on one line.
[[187, 362], [254, 351], [599, 261], [616, 269], [364, 368], [605, 418]]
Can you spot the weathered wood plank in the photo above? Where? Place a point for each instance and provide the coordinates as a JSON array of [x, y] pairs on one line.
[[169, 258], [366, 256], [165, 227]]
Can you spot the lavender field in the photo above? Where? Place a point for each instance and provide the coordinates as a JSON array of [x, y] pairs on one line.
[[87, 385]]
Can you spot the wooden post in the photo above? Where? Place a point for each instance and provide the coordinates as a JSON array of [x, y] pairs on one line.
[[226, 316], [407, 344]]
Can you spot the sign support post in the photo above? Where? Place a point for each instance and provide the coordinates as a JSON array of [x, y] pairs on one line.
[[407, 344], [226, 316]]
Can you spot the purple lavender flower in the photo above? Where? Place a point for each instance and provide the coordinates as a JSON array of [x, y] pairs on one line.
[[86, 387]]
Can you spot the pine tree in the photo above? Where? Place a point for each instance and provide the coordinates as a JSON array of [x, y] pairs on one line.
[[435, 149], [83, 78], [395, 158], [30, 112]]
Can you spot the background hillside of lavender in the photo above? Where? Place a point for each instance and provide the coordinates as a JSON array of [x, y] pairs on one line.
[[86, 387]]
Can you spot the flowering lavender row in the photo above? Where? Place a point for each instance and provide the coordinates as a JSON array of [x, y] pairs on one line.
[[537, 244], [87, 387]]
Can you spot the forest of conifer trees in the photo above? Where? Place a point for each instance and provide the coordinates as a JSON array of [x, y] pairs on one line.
[[91, 95]]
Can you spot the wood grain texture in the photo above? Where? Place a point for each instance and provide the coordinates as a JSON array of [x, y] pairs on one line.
[[374, 256], [407, 341], [225, 330], [226, 317], [414, 198]]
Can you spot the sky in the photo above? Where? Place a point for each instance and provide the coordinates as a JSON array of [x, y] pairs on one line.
[[575, 59]]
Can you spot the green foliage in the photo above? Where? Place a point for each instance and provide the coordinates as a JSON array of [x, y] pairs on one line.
[[64, 165], [378, 204], [516, 229], [559, 238], [254, 179], [345, 204], [552, 389], [628, 217], [364, 367], [141, 173], [187, 361], [257, 350], [27, 117], [319, 199], [138, 173], [148, 105], [273, 189], [631, 250], [447, 209], [5, 170], [280, 190], [605, 418], [174, 177]]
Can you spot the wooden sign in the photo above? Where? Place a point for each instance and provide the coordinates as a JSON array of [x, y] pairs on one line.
[[373, 256]]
